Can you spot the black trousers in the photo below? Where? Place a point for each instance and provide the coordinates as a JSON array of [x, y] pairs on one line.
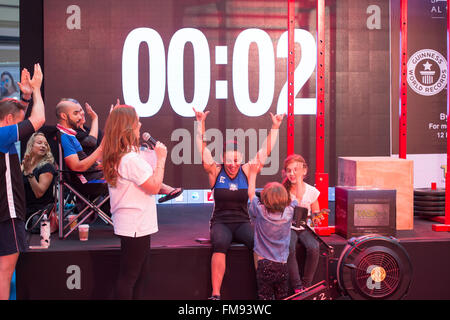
[[134, 274], [272, 279]]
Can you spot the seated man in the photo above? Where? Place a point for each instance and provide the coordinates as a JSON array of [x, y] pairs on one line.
[[69, 115]]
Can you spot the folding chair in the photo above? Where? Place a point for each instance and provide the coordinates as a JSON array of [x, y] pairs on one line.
[[65, 180]]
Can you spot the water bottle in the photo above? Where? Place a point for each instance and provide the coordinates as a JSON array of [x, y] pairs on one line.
[[45, 232]]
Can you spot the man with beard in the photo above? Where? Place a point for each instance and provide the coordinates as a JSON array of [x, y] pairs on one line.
[[69, 114], [90, 182]]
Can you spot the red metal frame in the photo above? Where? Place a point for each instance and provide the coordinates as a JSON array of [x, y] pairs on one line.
[[446, 220], [291, 70], [322, 182], [320, 87], [403, 74], [447, 176]]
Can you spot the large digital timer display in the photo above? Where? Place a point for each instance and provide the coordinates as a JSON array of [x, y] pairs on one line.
[[173, 74]]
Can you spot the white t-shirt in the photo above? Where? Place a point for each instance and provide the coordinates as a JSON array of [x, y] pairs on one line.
[[133, 211], [309, 197]]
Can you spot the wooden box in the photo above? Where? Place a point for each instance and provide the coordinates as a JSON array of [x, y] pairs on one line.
[[361, 211], [383, 173]]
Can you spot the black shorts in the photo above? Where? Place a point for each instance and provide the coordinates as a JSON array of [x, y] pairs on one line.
[[222, 234], [13, 237]]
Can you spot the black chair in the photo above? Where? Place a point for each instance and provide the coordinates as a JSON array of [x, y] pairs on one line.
[[69, 186]]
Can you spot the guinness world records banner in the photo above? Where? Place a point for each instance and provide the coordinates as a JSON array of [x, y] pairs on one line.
[[427, 88]]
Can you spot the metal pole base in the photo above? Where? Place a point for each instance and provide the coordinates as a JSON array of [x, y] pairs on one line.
[[441, 227]]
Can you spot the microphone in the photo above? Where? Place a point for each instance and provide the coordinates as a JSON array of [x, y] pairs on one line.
[[148, 138]]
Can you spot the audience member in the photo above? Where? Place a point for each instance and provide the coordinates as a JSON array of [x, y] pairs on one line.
[[8, 88], [38, 173], [13, 127]]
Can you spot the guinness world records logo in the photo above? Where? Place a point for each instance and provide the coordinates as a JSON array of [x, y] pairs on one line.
[[427, 72]]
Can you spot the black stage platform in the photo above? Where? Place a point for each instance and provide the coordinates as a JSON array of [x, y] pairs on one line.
[[71, 269]]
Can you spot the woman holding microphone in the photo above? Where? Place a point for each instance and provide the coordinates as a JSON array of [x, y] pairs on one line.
[[132, 184]]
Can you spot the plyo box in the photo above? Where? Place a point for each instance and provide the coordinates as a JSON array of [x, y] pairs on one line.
[[361, 211], [383, 173]]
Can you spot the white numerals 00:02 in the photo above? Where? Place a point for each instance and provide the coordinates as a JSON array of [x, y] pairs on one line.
[[202, 71]]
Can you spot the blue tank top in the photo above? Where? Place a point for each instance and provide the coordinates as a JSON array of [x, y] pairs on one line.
[[230, 198]]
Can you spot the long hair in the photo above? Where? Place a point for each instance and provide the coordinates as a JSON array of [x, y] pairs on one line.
[[47, 158], [119, 138], [275, 197], [11, 78], [291, 158]]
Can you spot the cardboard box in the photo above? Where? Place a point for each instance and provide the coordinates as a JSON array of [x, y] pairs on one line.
[[383, 173]]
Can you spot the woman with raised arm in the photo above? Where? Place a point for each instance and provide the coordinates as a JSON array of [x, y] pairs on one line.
[[230, 220], [132, 184]]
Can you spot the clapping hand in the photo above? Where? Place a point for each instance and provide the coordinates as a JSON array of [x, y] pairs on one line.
[[26, 164], [36, 81], [91, 113], [25, 84]]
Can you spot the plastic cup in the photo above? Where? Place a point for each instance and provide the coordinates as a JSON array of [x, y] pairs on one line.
[[83, 232], [72, 220]]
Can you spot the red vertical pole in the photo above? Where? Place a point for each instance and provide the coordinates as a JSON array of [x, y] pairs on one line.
[[322, 182], [320, 87], [446, 225], [447, 175], [290, 70], [403, 74]]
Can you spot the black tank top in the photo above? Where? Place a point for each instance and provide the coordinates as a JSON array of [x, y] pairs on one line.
[[230, 198]]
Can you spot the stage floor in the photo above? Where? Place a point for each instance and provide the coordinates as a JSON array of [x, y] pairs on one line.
[[180, 226], [181, 265]]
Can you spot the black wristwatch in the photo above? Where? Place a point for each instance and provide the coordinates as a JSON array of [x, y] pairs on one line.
[[26, 100], [29, 176]]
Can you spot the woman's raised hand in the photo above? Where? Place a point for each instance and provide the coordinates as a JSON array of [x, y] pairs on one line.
[[199, 115], [276, 120]]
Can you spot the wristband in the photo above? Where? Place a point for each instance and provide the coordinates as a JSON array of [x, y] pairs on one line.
[[26, 100]]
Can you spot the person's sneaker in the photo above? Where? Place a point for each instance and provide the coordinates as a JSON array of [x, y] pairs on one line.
[[215, 297]]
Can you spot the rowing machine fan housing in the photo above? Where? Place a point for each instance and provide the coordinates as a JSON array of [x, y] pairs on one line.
[[374, 267]]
